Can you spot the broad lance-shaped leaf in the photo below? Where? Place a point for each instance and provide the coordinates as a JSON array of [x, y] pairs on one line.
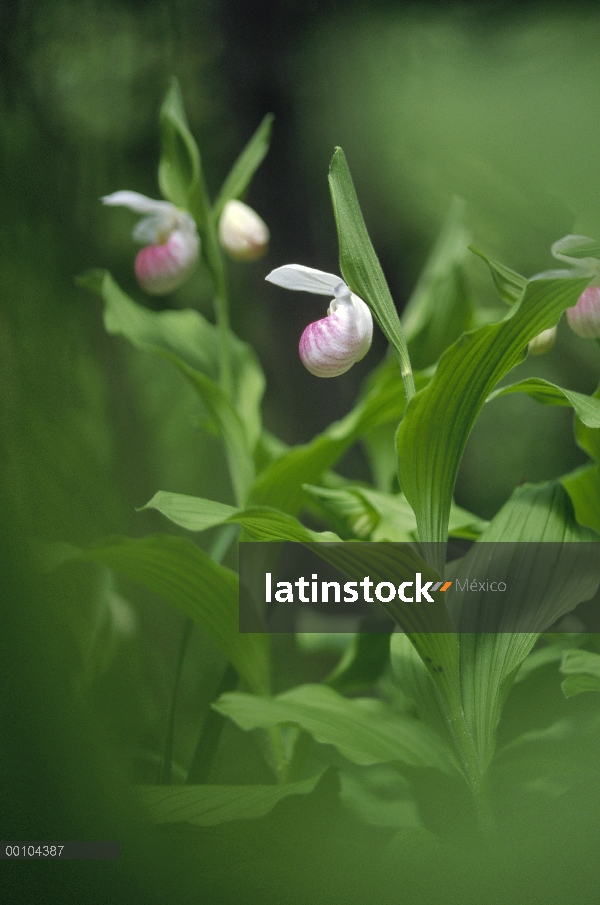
[[280, 484], [187, 340], [428, 625], [365, 731], [438, 420], [179, 167], [245, 167], [587, 408], [440, 308], [261, 522], [549, 564], [582, 671], [212, 805], [359, 263], [186, 577]]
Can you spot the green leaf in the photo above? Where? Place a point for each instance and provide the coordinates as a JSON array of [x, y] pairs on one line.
[[577, 248], [541, 657], [490, 655], [380, 796], [582, 669], [509, 284], [589, 438], [190, 342], [281, 483], [179, 167], [188, 579], [245, 167], [359, 263], [181, 181], [583, 487], [416, 682], [438, 420], [212, 805], [428, 626], [261, 522], [555, 732], [365, 731], [366, 513], [440, 308], [362, 663], [380, 447], [587, 408]]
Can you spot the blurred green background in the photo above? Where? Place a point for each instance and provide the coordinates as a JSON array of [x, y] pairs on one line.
[[495, 103]]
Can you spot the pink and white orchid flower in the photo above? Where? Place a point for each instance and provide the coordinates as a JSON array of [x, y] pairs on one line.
[[170, 237], [329, 347]]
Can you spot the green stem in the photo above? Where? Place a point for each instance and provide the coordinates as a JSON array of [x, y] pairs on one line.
[[208, 740], [475, 777], [213, 258], [408, 379], [164, 771], [218, 550]]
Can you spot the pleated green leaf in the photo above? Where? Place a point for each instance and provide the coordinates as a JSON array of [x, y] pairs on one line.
[[587, 408], [365, 731], [368, 514], [491, 651], [188, 579], [190, 342], [240, 175], [359, 263], [281, 483], [212, 805], [582, 669], [261, 522], [438, 420]]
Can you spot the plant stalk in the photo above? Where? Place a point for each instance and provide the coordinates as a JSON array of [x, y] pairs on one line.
[[217, 552]]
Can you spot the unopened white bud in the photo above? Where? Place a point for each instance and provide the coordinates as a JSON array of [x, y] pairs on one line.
[[543, 342], [243, 235]]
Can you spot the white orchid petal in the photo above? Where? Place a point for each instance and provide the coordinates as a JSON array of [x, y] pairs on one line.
[[155, 228], [305, 279], [140, 204]]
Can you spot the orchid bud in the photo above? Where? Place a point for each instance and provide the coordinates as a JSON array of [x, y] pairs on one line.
[[243, 235], [543, 342], [330, 346], [584, 317], [170, 237]]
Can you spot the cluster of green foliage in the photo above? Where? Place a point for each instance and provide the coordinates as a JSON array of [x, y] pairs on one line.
[[430, 700]]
